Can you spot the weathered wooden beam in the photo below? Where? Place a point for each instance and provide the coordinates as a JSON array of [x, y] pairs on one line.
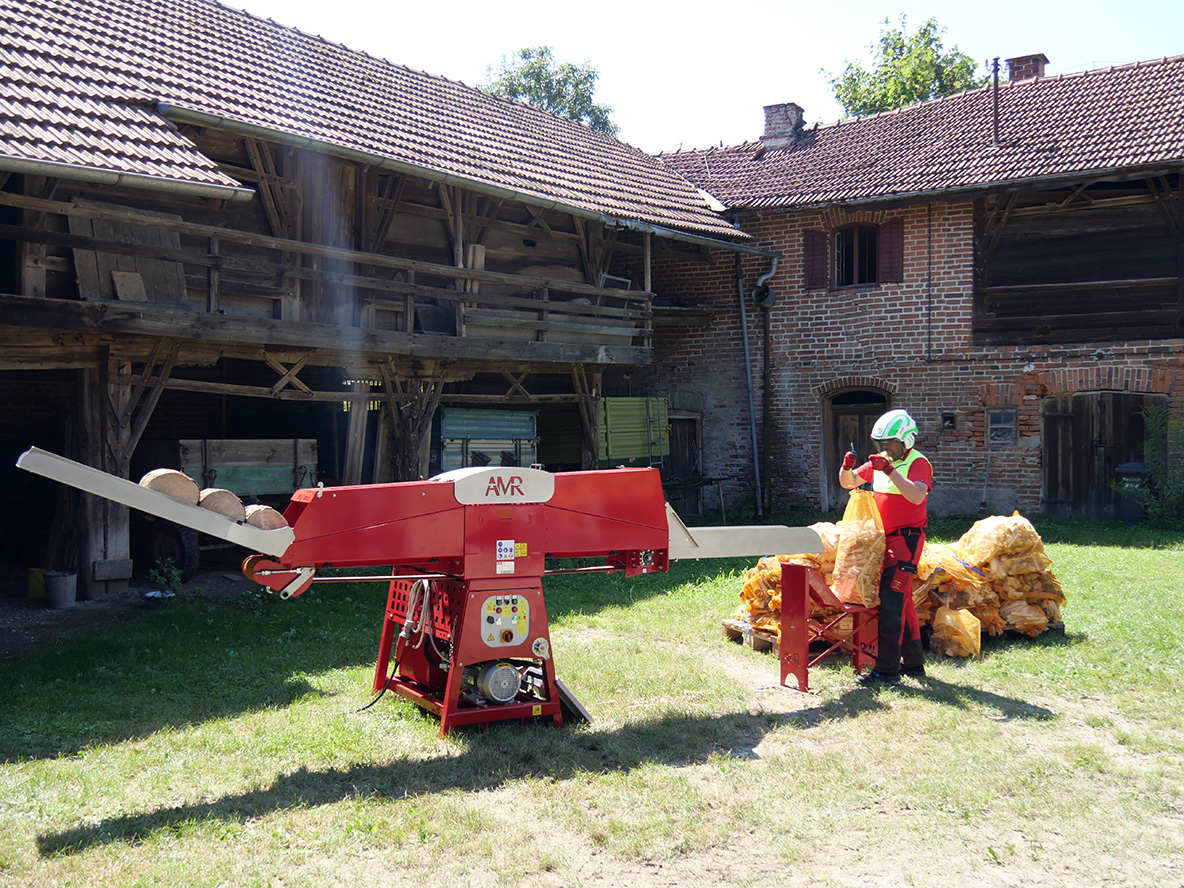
[[588, 403], [115, 319], [259, 240], [255, 391], [355, 439], [167, 360], [288, 374]]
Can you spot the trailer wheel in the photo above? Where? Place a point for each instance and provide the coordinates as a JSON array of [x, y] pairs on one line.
[[177, 545]]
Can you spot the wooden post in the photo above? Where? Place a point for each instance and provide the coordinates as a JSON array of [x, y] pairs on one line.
[[648, 281], [105, 564], [412, 401], [588, 403], [212, 278], [355, 446]]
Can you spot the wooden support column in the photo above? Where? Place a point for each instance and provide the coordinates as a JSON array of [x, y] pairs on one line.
[[648, 285], [355, 445], [105, 561], [587, 387], [31, 257], [412, 401]]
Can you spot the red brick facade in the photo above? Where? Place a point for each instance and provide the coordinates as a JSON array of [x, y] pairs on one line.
[[909, 342]]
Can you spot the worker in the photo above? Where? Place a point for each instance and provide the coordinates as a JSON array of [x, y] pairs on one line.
[[901, 479]]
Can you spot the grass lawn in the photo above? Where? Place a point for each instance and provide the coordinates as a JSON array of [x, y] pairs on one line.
[[219, 742]]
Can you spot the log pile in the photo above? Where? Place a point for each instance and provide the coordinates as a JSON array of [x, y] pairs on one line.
[[226, 503]]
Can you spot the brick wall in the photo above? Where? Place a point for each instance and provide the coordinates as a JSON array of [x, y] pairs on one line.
[[909, 341]]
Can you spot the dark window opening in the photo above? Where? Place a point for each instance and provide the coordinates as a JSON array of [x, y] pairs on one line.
[[856, 255], [1002, 426]]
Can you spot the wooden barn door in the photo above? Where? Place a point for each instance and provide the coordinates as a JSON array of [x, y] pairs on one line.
[[852, 415], [1085, 438], [683, 463]]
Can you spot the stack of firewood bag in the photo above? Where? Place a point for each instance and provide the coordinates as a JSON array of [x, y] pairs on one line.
[[760, 595], [998, 571]]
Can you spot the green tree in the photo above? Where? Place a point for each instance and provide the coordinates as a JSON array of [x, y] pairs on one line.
[[531, 75], [908, 68]]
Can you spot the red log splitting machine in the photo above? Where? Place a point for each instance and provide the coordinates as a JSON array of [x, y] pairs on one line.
[[465, 632]]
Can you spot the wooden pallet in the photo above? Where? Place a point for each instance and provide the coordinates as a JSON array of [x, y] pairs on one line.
[[757, 640]]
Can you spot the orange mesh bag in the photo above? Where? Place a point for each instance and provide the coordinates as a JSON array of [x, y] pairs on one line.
[[860, 553], [956, 633], [998, 535]]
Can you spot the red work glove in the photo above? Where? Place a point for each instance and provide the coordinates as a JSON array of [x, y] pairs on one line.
[[881, 463], [849, 460]]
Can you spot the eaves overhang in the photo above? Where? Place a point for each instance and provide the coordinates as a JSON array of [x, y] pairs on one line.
[[179, 114]]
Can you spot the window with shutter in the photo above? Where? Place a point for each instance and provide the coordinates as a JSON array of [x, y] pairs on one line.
[[856, 256], [892, 252], [814, 259]]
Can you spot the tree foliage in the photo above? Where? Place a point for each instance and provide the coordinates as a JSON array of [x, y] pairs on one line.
[[908, 68], [531, 75]]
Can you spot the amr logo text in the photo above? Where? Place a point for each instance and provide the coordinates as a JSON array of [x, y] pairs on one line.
[[499, 486]]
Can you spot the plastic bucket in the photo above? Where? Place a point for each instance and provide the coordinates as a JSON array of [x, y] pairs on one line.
[[61, 588], [36, 582]]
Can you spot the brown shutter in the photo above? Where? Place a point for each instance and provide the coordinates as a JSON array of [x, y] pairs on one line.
[[891, 269], [814, 264]]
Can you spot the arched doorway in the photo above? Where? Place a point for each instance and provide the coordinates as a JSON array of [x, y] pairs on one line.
[[849, 420]]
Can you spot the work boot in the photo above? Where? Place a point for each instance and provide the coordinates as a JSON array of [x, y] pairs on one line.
[[876, 677], [913, 671]]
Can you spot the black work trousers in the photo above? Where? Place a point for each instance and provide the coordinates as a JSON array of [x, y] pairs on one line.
[[899, 637]]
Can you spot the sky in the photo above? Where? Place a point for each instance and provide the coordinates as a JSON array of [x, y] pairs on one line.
[[694, 75]]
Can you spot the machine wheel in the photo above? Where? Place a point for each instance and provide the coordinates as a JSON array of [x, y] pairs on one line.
[[177, 545]]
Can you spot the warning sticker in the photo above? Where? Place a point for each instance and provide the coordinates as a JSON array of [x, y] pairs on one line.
[[506, 550], [520, 550]]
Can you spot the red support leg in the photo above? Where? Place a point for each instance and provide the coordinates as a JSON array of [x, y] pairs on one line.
[[795, 632], [391, 624]]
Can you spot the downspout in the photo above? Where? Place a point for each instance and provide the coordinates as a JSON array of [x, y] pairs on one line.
[[756, 463], [764, 297], [766, 442], [929, 283]]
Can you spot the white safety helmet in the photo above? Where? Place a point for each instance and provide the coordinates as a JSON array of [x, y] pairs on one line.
[[896, 425]]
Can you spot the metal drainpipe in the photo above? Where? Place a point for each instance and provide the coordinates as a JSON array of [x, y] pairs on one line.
[[756, 462], [766, 302]]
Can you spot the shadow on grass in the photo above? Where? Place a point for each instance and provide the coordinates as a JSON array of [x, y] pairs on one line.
[[504, 753], [858, 700], [182, 664], [962, 697]]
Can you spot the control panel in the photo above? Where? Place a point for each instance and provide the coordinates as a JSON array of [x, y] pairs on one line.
[[505, 620]]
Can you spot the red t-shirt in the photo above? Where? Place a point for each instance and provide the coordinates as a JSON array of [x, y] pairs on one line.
[[896, 511]]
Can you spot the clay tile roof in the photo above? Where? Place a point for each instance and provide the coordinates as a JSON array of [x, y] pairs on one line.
[[89, 81], [1092, 123]]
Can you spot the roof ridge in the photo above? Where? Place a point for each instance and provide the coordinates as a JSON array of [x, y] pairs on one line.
[[1006, 84]]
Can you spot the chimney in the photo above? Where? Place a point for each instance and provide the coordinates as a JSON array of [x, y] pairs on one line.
[[783, 125], [1027, 67]]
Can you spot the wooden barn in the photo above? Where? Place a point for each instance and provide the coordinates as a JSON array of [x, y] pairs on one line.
[[218, 235], [1006, 263]]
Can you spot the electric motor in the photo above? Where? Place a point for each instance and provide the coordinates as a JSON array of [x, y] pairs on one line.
[[496, 681]]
